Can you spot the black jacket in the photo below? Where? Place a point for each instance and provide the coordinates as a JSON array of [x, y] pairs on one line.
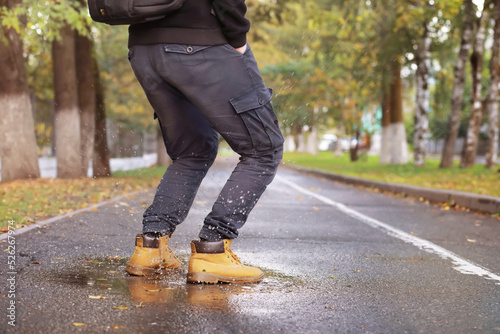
[[197, 22]]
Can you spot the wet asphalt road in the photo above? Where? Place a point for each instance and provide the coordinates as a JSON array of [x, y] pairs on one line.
[[327, 270]]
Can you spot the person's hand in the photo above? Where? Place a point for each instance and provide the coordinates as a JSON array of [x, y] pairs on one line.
[[241, 49]]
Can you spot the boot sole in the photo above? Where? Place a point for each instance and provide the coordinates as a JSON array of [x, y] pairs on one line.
[[197, 277], [136, 270]]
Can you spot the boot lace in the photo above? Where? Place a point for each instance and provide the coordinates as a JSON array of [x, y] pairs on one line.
[[234, 256]]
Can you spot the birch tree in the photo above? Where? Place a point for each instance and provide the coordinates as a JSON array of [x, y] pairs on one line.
[[423, 62], [458, 86], [476, 118], [492, 98]]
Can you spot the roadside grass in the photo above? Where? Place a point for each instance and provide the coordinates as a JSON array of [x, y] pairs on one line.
[[476, 179], [28, 201]]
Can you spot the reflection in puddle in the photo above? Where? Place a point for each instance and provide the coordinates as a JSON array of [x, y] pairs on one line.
[[107, 275], [161, 290]]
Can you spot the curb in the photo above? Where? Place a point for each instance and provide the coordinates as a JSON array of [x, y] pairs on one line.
[[66, 215], [482, 203]]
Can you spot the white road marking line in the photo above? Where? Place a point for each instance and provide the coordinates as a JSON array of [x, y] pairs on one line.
[[462, 265]]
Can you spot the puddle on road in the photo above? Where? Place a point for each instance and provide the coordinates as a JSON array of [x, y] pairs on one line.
[[107, 276]]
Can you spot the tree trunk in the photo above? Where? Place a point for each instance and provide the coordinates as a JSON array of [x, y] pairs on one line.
[[86, 96], [458, 87], [385, 142], [67, 116], [476, 118], [423, 60], [100, 161], [338, 144], [354, 151], [399, 146], [18, 147], [492, 98], [312, 141]]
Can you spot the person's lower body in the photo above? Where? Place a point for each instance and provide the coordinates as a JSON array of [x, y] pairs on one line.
[[198, 92]]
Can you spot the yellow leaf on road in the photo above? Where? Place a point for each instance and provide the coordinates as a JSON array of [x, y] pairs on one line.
[[96, 297], [120, 307], [78, 324]]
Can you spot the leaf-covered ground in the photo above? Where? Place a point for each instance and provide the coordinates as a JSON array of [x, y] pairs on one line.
[[27, 201]]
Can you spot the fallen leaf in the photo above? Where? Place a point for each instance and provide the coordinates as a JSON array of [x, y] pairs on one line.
[[96, 297], [331, 308], [471, 240], [333, 277], [78, 324], [155, 290], [36, 262], [120, 307], [116, 326]]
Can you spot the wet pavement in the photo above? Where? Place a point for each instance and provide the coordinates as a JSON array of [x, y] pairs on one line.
[[327, 270]]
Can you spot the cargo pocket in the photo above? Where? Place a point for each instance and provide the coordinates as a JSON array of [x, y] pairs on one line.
[[255, 109]]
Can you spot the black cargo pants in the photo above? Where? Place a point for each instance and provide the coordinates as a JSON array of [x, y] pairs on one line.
[[196, 93]]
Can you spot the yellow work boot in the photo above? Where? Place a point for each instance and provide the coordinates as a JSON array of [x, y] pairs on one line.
[[213, 262], [152, 256]]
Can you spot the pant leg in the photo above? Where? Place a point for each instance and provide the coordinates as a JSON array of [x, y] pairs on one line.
[[190, 141], [226, 87]]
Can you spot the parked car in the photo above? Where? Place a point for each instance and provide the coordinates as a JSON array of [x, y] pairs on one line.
[[327, 142]]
